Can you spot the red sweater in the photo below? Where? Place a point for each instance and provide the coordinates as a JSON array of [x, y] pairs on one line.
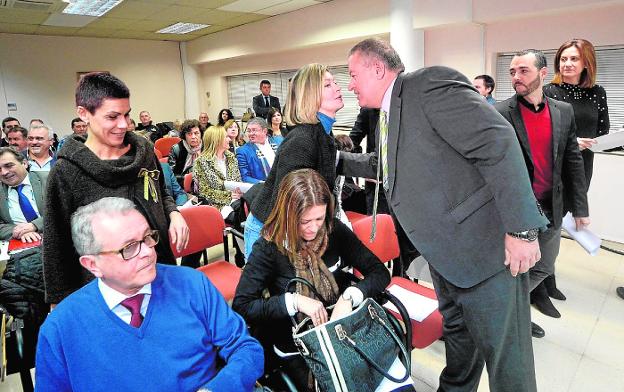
[[539, 132]]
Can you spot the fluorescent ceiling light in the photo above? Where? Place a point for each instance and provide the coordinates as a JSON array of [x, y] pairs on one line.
[[89, 7], [182, 28]]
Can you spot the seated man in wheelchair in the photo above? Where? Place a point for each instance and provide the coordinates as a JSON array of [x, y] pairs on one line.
[[301, 238]]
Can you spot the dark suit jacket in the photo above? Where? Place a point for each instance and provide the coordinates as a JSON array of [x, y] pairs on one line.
[[259, 106], [568, 172], [38, 181], [457, 180], [364, 127]]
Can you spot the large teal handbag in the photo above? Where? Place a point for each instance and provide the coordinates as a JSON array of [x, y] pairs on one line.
[[355, 352]]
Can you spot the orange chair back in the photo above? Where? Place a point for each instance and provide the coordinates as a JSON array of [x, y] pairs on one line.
[[386, 244], [354, 216], [158, 153], [164, 144], [188, 182], [206, 227]]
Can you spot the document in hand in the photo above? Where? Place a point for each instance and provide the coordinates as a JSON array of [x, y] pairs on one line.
[[611, 140], [588, 240], [231, 185]]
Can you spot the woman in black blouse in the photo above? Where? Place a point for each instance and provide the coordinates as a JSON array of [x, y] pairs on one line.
[[575, 83], [301, 238]]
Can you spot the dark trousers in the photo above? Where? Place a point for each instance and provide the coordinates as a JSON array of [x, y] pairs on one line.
[[549, 242], [489, 324]]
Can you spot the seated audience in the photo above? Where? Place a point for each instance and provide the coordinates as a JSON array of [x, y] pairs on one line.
[[8, 123], [276, 124], [147, 126], [111, 162], [22, 209], [225, 115], [131, 125], [313, 101], [40, 155], [256, 157], [140, 326], [172, 187], [18, 139], [78, 127], [301, 238], [215, 165], [204, 122], [236, 136], [183, 155]]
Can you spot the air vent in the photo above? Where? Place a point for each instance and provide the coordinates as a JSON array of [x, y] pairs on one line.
[[33, 5]]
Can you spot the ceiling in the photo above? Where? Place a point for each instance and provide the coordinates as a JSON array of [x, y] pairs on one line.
[[140, 19]]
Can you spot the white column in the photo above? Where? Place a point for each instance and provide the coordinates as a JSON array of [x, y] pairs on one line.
[[191, 85], [409, 43]]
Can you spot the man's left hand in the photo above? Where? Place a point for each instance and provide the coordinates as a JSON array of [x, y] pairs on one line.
[[31, 237], [520, 255], [178, 230], [22, 228], [582, 223]]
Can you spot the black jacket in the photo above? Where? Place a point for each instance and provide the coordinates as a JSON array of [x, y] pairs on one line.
[[267, 268]]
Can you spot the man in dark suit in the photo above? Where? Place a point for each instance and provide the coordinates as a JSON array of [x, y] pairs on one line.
[[455, 178], [264, 101], [546, 131], [21, 198]]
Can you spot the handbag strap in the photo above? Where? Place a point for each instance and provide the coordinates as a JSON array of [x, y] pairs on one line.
[[406, 329], [342, 336], [296, 280]]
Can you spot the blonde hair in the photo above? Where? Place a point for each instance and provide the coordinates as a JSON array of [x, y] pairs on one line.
[[213, 139], [305, 94]]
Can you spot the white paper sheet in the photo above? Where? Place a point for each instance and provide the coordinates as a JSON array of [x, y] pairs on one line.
[[418, 306], [588, 240], [231, 185], [396, 370], [611, 140]]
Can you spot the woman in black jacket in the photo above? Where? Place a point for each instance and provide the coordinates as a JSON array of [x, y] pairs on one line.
[[312, 103], [301, 238], [183, 155]]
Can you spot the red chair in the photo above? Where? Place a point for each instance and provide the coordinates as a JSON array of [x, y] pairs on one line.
[[163, 160], [354, 216], [188, 183], [158, 153], [164, 144], [206, 227], [386, 247]]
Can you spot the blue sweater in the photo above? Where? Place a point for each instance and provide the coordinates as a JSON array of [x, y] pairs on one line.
[[83, 346]]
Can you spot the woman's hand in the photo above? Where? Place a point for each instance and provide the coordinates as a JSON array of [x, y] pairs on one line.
[[30, 237], [342, 308], [312, 308], [236, 194], [178, 230], [585, 142]]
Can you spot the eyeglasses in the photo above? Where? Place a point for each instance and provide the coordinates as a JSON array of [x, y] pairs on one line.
[[134, 248]]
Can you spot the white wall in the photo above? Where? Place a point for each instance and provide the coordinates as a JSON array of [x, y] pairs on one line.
[[39, 74]]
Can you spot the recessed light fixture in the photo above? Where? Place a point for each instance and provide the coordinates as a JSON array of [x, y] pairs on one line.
[[89, 7], [182, 28]]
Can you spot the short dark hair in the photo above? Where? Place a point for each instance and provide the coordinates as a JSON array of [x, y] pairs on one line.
[[344, 143], [10, 150], [95, 87], [540, 58], [381, 50], [74, 121], [186, 127], [7, 119], [22, 130], [488, 81], [264, 81]]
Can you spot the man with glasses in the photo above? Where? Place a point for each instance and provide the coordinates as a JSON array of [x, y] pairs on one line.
[[140, 325], [255, 158]]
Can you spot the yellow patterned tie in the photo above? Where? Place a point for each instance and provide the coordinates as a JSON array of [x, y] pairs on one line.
[[383, 146]]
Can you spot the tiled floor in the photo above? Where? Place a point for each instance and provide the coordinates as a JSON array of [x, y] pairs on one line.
[[583, 351]]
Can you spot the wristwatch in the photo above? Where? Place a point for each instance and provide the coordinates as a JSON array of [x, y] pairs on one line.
[[527, 235]]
